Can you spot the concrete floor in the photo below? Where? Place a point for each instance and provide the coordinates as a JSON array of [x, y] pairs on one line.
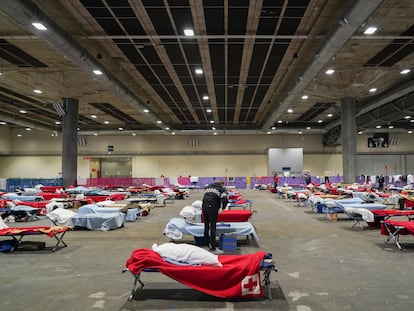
[[323, 265]]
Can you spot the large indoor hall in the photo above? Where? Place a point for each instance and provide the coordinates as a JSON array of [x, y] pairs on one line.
[[322, 265]]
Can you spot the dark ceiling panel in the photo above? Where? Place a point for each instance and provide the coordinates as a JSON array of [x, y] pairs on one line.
[[395, 51], [182, 19], [161, 21], [16, 56], [214, 17], [114, 112], [237, 19]]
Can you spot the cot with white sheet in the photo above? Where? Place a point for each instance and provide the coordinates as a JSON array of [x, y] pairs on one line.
[[176, 227], [375, 216], [393, 229], [93, 220], [17, 234], [239, 277]]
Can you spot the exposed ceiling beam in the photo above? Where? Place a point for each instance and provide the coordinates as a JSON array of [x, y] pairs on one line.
[[351, 21]]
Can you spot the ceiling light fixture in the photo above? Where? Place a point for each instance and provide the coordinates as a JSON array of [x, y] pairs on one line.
[[391, 126], [106, 122], [410, 132], [330, 71], [290, 111], [305, 96], [159, 121], [188, 32], [405, 71], [97, 72], [370, 30], [372, 90], [268, 133], [134, 134], [205, 97], [212, 122], [3, 123], [360, 132], [22, 111], [146, 110], [28, 129], [120, 128], [93, 116], [39, 26], [208, 110], [198, 71], [37, 91], [330, 115], [378, 126]]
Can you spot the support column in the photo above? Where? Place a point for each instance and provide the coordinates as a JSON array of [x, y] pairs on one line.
[[70, 142], [348, 129]]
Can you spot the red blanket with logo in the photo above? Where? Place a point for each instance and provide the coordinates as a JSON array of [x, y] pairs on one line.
[[238, 278]]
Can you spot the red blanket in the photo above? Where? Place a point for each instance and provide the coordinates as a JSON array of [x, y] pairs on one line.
[[408, 227], [238, 278], [232, 216], [391, 212], [50, 231]]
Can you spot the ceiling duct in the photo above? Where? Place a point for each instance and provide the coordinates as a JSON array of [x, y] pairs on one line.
[[351, 21], [24, 13]]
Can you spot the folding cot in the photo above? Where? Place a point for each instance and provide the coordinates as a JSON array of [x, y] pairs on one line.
[[176, 227], [239, 277], [18, 234], [375, 216], [393, 229]]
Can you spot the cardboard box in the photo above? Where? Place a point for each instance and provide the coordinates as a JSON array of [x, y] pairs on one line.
[[228, 242], [333, 216]]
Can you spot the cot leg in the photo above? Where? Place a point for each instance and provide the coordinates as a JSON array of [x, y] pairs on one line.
[[59, 240], [134, 287]]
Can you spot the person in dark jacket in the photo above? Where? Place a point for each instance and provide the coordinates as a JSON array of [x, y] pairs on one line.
[[215, 196]]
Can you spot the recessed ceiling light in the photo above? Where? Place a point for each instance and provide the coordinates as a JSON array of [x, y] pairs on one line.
[[93, 116], [37, 91], [405, 71], [268, 132], [208, 110], [39, 26], [159, 121], [106, 122], [370, 30], [57, 122], [372, 90], [213, 128], [305, 96], [360, 132], [19, 135], [300, 132], [3, 123], [198, 71], [407, 117], [308, 128], [320, 121], [289, 110], [167, 128], [215, 133], [273, 127], [205, 97], [22, 111], [330, 71], [95, 134], [28, 129], [378, 126], [391, 126], [212, 122], [280, 121], [189, 32], [330, 115], [412, 121], [120, 128], [410, 132], [146, 110], [172, 133], [97, 72], [134, 134]]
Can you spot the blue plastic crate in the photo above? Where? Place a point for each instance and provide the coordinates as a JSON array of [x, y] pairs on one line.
[[228, 242]]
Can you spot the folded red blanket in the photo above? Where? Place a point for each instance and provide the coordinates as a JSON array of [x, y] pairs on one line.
[[50, 231], [408, 227], [238, 278]]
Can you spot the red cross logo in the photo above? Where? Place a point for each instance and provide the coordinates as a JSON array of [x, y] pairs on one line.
[[250, 285]]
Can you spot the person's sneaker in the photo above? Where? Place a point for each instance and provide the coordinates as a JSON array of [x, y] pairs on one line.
[[217, 251]]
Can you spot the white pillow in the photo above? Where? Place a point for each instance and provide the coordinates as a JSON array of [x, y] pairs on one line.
[[188, 212], [197, 204], [187, 253]]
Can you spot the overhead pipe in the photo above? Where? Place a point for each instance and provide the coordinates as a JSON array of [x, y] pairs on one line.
[[349, 23], [24, 13]]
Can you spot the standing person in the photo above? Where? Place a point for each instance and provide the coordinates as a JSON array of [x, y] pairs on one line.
[[275, 180], [381, 181], [215, 196]]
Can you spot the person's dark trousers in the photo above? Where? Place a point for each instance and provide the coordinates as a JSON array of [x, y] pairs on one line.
[[210, 212]]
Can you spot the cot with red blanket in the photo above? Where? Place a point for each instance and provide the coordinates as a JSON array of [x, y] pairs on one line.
[[393, 229], [241, 276], [232, 216], [18, 234]]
